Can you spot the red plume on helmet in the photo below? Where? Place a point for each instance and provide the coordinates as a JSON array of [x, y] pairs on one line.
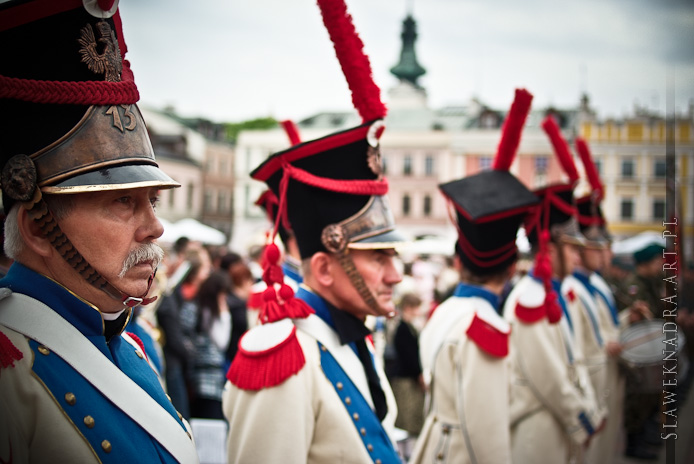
[[561, 148], [590, 168], [292, 131], [512, 129], [349, 48]]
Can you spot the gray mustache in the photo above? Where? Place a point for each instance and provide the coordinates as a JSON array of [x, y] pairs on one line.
[[147, 252]]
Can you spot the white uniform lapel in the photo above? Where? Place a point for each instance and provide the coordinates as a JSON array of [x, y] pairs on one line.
[[343, 354]]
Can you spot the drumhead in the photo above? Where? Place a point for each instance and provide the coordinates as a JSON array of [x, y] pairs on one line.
[[645, 341]]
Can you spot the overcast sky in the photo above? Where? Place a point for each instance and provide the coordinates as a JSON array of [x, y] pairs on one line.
[[230, 60]]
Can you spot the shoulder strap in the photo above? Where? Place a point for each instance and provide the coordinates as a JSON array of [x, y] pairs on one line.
[[37, 321]]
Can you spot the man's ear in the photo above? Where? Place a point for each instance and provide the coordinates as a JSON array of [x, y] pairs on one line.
[[32, 234], [322, 266]]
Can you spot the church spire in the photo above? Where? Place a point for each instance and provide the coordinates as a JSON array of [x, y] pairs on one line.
[[408, 69]]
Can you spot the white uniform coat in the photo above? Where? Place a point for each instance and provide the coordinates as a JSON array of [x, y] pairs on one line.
[[468, 420], [302, 420], [551, 415]]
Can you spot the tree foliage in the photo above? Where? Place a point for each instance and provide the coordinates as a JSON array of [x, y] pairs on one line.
[[233, 128]]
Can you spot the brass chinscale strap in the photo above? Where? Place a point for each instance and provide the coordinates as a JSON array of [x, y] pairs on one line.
[[347, 264], [37, 209]]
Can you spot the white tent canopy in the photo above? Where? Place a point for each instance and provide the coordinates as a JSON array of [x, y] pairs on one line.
[[638, 242], [192, 229]]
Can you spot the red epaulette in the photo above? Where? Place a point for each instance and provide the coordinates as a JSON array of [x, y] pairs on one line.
[[268, 355], [530, 306], [490, 333], [8, 352], [255, 300]]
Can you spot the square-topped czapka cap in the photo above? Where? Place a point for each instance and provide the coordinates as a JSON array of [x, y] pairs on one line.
[[332, 191], [68, 99], [490, 207]]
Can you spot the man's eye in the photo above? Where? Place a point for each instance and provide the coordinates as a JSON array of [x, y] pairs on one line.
[[154, 201], [123, 200]]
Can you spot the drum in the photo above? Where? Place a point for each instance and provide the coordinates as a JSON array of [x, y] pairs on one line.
[[645, 345]]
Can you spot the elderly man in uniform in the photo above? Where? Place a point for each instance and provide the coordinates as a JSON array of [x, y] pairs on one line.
[[464, 345], [304, 387], [553, 409], [79, 184]]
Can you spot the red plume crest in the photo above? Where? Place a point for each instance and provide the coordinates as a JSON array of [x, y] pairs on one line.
[[511, 132], [561, 148], [366, 96]]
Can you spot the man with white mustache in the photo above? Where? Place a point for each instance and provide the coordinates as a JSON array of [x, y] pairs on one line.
[[79, 185]]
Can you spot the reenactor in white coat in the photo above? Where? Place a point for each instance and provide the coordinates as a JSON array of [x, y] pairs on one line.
[[464, 345], [554, 413], [593, 226], [303, 386]]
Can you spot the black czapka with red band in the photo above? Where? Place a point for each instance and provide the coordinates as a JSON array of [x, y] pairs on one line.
[[68, 115], [332, 190], [491, 205]]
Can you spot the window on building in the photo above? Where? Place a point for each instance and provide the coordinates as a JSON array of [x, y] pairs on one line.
[[627, 168], [249, 158], [598, 166], [485, 163], [658, 209], [659, 167], [222, 167], [427, 206], [207, 201], [172, 198], [221, 202], [406, 205], [429, 165], [384, 164], [627, 209], [407, 166], [541, 164], [190, 196]]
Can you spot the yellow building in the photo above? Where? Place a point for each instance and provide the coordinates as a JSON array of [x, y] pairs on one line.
[[632, 158]]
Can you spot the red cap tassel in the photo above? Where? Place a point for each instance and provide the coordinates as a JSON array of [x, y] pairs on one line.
[[295, 308], [561, 148], [511, 132], [254, 371], [8, 352], [272, 309], [543, 271]]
